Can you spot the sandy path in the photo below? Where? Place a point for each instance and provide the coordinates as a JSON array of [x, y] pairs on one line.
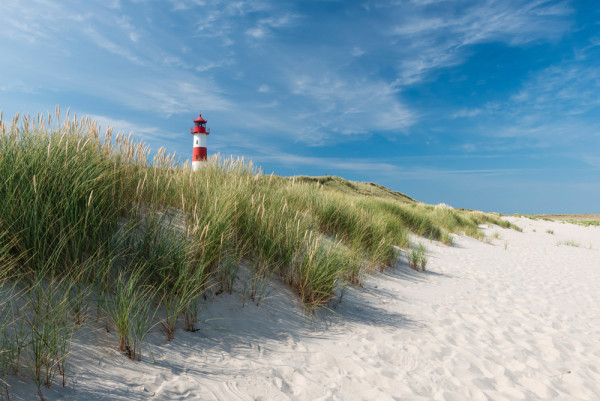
[[484, 322]]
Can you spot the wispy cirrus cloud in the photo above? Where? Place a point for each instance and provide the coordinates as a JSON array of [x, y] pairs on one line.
[[176, 95], [568, 88], [436, 38], [144, 132], [470, 112], [265, 26], [111, 46], [227, 20], [369, 166], [28, 23], [333, 106], [554, 106]]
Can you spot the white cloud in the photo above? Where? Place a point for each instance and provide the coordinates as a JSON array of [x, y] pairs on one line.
[[266, 25], [28, 23], [257, 32], [264, 88], [206, 65], [429, 40], [331, 105], [369, 166], [592, 160], [569, 88], [420, 25], [141, 131], [284, 20], [467, 113], [469, 147], [269, 105], [174, 96], [101, 41], [221, 18], [179, 5], [357, 52]]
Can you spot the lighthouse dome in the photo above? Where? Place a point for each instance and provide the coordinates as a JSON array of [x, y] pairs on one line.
[[200, 119]]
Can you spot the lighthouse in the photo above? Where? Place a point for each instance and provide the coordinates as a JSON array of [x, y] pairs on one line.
[[199, 132]]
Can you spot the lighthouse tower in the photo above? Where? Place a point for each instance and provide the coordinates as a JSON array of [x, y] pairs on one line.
[[199, 132]]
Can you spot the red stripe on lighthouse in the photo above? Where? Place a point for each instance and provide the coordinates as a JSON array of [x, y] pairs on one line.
[[199, 154]]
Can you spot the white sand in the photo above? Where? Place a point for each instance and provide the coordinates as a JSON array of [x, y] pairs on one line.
[[485, 322]]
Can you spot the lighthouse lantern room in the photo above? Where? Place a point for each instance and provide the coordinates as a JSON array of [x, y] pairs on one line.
[[199, 132]]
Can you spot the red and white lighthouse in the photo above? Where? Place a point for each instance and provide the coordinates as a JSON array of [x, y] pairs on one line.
[[199, 132]]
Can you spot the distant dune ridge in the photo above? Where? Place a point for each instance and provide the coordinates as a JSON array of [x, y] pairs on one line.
[[124, 278]]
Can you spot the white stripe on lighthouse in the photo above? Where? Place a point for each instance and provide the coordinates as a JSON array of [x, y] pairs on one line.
[[199, 140]]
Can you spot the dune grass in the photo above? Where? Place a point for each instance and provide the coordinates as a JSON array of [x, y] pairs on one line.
[[587, 223], [580, 219], [88, 219], [569, 243], [417, 257]]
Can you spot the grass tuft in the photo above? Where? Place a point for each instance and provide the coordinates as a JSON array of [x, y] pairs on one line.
[[569, 243], [417, 257]]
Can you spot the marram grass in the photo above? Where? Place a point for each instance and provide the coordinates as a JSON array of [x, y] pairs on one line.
[[143, 240]]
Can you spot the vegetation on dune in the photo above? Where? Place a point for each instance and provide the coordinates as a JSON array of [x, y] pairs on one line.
[[417, 258], [356, 188], [88, 220], [568, 243], [585, 219]]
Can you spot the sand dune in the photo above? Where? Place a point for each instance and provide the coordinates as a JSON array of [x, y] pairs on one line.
[[514, 319]]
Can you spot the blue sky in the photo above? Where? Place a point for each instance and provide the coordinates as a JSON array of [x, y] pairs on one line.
[[484, 104]]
